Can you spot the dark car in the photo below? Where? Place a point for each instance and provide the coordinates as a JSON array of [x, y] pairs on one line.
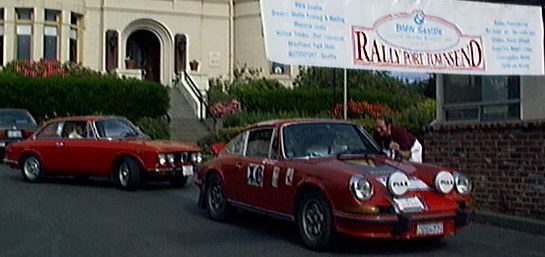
[[15, 125], [329, 176]]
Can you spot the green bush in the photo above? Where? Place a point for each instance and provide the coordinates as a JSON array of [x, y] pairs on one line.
[[83, 95], [247, 118], [223, 135], [416, 117], [312, 100], [155, 128]]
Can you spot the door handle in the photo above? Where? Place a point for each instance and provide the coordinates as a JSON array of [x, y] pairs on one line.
[[59, 144], [238, 165]]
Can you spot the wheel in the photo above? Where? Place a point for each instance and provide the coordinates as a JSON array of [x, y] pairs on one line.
[[179, 181], [215, 200], [128, 174], [31, 168], [314, 220]]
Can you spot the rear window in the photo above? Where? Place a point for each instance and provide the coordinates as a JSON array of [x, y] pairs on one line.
[[15, 117]]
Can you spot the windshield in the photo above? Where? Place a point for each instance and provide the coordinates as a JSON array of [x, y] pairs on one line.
[[15, 117], [325, 139], [117, 128]]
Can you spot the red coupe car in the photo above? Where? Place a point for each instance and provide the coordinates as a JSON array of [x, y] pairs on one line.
[[102, 146], [329, 176]]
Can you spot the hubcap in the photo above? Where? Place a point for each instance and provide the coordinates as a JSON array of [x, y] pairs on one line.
[[32, 168], [313, 219], [124, 174], [215, 198]]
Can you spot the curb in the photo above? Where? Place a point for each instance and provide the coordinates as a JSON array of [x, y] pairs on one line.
[[512, 222]]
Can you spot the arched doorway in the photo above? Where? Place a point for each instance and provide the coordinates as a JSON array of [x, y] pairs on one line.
[[144, 52]]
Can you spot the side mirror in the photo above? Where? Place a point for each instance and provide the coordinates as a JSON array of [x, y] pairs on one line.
[[216, 148]]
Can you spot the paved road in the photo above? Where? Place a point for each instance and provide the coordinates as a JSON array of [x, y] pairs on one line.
[[62, 217]]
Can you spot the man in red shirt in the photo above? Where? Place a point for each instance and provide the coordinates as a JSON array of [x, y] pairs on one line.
[[396, 140]]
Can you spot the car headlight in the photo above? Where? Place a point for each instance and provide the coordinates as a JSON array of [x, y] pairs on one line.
[[398, 183], [196, 157], [463, 184], [360, 187], [162, 159], [444, 182], [170, 158]]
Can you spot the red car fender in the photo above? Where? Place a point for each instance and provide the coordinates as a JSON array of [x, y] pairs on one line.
[[218, 171], [116, 159], [312, 182], [27, 151]]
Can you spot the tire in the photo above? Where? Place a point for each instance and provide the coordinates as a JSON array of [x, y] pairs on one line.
[[314, 221], [31, 168], [179, 181], [215, 200], [128, 174]]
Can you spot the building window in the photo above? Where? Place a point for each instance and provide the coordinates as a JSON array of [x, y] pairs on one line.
[[51, 34], [1, 36], [75, 37], [278, 68], [23, 21], [481, 98]]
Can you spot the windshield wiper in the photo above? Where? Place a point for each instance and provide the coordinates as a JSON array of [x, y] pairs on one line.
[[350, 152]]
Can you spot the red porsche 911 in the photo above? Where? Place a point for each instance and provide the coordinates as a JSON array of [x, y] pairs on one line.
[[107, 146], [329, 176]]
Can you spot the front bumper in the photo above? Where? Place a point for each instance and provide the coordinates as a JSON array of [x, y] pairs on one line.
[[399, 225], [179, 170]]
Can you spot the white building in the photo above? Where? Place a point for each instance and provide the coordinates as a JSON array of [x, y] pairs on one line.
[[159, 37]]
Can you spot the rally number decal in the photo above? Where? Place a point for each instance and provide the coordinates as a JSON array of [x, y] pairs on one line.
[[254, 174], [289, 176], [275, 175]]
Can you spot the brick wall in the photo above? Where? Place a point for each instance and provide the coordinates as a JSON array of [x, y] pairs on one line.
[[505, 161]]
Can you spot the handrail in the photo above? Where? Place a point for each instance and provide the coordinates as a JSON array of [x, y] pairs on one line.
[[200, 97]]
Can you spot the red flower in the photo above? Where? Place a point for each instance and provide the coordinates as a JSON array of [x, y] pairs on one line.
[[223, 109]]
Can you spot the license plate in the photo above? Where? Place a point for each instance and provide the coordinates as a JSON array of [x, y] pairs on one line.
[[409, 204], [2, 144], [187, 170], [14, 134], [429, 229]]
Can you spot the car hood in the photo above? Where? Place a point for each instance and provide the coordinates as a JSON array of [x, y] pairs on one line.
[[164, 145], [380, 168]]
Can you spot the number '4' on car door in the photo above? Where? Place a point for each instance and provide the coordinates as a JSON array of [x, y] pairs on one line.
[[258, 164]]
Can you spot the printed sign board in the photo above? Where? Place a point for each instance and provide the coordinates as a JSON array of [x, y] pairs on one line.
[[446, 36]]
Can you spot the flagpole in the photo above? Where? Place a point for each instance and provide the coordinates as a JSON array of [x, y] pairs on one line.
[[345, 102]]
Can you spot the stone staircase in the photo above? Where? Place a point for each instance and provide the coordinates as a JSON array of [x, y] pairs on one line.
[[184, 124]]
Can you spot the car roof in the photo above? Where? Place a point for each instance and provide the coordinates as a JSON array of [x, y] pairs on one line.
[[280, 122], [14, 109], [86, 118]]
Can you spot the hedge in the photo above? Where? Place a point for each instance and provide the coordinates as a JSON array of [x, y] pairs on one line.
[[83, 95], [313, 101]]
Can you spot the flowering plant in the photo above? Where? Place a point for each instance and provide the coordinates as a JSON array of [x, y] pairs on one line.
[[223, 109], [42, 68], [361, 109]]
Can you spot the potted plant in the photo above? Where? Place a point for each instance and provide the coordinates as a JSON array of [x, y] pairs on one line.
[[194, 65]]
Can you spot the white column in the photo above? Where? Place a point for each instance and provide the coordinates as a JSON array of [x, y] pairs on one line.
[[9, 34]]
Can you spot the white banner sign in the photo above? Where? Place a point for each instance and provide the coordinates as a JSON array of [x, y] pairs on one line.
[[438, 36]]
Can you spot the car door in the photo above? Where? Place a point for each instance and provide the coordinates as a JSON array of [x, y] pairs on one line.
[[257, 168], [231, 164], [81, 149], [48, 144], [69, 148]]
